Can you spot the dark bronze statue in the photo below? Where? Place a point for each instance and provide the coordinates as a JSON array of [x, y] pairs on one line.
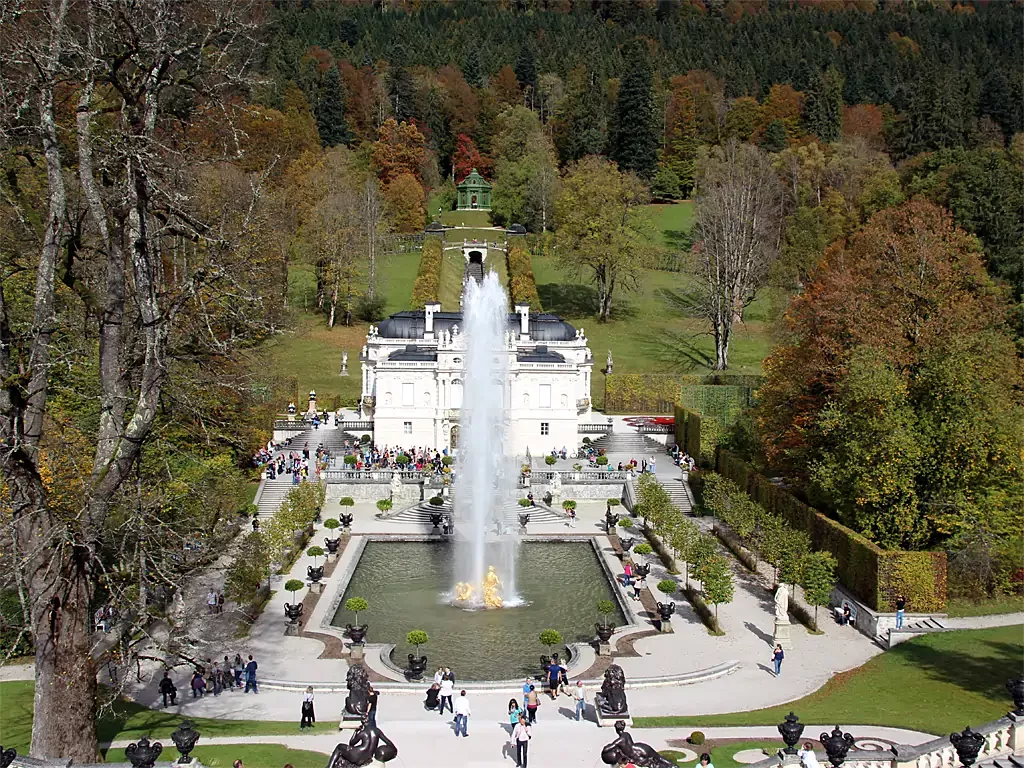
[[358, 684], [367, 743], [625, 750], [611, 699]]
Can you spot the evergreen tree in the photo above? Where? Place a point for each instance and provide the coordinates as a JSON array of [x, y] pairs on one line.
[[402, 94], [580, 129], [471, 69], [774, 139], [330, 111], [526, 68], [635, 146], [824, 110]]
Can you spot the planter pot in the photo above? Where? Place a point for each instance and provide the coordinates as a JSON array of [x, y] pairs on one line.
[[357, 633], [604, 633]]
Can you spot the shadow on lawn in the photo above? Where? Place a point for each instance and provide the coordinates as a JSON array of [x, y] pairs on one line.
[[983, 669], [575, 300]]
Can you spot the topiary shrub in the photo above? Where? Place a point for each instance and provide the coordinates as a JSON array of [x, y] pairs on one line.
[[350, 459], [602, 461], [331, 523], [365, 439], [355, 605], [293, 586], [568, 504], [416, 638], [643, 548], [606, 608], [402, 460], [525, 503], [550, 637], [346, 501], [448, 460], [436, 501], [613, 502], [550, 460], [384, 505], [626, 522], [668, 586], [696, 738]]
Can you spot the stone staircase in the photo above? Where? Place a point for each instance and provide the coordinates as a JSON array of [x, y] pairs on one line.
[[892, 637], [271, 494], [634, 444], [679, 492], [474, 272], [419, 514], [1007, 761]]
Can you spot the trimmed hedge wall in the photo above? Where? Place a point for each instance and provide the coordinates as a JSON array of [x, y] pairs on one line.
[[641, 393], [428, 280], [521, 283], [697, 435], [874, 575]]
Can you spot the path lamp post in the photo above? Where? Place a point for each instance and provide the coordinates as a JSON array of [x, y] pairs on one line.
[[791, 730], [967, 744], [836, 744]]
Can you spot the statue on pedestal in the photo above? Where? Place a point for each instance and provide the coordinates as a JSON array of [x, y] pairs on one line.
[[396, 486], [610, 701], [344, 363], [367, 744], [624, 750], [608, 363], [556, 488], [782, 603]]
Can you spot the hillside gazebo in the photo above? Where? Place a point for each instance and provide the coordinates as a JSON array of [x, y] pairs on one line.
[[474, 193]]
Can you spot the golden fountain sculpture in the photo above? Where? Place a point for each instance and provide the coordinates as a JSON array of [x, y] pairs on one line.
[[464, 590]]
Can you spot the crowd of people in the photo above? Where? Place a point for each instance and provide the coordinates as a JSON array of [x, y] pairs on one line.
[[420, 459], [214, 677]]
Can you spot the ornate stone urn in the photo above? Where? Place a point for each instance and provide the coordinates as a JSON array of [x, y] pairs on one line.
[[332, 546], [627, 544], [968, 744], [836, 744], [642, 570], [791, 730], [435, 520], [417, 666], [604, 632], [293, 612], [315, 574], [1016, 688], [142, 754], [356, 633], [346, 522], [185, 738], [665, 611], [610, 521]]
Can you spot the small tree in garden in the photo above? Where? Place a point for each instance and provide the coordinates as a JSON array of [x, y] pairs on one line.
[[796, 546], [249, 569], [668, 586], [315, 552], [416, 638], [716, 576], [293, 586], [550, 637], [683, 538], [602, 461], [606, 608], [346, 501], [332, 524], [769, 539], [384, 505], [550, 460], [643, 548], [357, 604], [704, 548], [626, 522], [350, 460], [568, 504], [524, 503], [819, 579], [448, 460]]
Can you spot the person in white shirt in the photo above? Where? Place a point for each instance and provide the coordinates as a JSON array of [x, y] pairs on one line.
[[521, 736], [580, 697], [807, 757], [438, 676], [445, 695], [461, 714]]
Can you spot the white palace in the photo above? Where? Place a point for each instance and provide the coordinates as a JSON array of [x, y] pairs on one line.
[[412, 367]]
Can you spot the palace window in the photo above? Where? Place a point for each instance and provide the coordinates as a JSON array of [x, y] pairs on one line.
[[407, 427], [545, 428]]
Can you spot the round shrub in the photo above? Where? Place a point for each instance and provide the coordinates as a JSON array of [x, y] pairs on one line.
[[417, 637], [365, 439], [437, 501], [643, 548], [613, 502], [525, 503], [384, 505], [315, 552], [550, 637], [550, 460], [346, 501], [568, 504], [351, 459], [331, 523], [586, 441], [626, 522], [448, 460], [668, 586], [356, 604], [401, 460], [696, 738], [293, 586], [602, 461]]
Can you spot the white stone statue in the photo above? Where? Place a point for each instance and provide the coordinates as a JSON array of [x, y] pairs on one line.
[[396, 486], [455, 329], [782, 603], [364, 350], [609, 362], [344, 359]]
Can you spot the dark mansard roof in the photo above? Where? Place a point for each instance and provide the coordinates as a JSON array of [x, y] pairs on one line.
[[409, 324]]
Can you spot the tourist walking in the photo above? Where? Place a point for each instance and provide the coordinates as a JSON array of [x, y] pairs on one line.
[[579, 695], [514, 712], [554, 675], [521, 736], [167, 689], [462, 714], [211, 601], [198, 685], [308, 716], [638, 585], [572, 518], [777, 658], [371, 705], [238, 668], [901, 604], [250, 675], [447, 690], [527, 685], [532, 704], [627, 574]]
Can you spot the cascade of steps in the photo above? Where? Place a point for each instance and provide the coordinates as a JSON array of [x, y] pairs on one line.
[[923, 626], [273, 494], [633, 443], [420, 514], [679, 492], [474, 271], [1007, 761]]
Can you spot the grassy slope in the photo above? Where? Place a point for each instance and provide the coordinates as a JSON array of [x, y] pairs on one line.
[[937, 683], [647, 335], [251, 755], [466, 218], [957, 607]]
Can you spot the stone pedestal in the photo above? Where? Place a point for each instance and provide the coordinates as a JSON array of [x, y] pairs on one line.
[[349, 722], [356, 653], [331, 557], [192, 763], [665, 626], [292, 629], [605, 721], [782, 635], [522, 530], [316, 587], [604, 649]]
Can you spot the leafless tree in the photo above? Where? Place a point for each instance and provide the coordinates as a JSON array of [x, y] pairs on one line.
[[137, 257], [738, 215]]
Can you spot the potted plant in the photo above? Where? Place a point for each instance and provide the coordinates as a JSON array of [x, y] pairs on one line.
[[448, 460], [550, 638], [437, 501], [384, 505], [402, 460], [605, 629], [350, 460], [332, 524], [524, 503], [365, 440], [356, 632], [568, 505], [550, 460], [643, 548], [613, 503], [293, 610], [577, 471], [417, 664], [602, 461], [315, 572]]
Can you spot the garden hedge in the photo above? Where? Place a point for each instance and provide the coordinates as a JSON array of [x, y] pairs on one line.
[[640, 393], [872, 574], [427, 287], [521, 284], [697, 435]]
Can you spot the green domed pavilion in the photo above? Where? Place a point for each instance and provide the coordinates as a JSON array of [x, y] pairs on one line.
[[474, 193]]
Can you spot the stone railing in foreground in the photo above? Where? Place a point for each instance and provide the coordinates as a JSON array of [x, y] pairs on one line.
[[985, 744]]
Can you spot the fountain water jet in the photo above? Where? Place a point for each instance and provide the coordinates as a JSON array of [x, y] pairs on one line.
[[484, 479]]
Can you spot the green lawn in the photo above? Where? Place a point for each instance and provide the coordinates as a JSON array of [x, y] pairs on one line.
[[673, 221], [722, 754], [251, 755], [396, 274], [961, 607], [466, 219], [937, 683]]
